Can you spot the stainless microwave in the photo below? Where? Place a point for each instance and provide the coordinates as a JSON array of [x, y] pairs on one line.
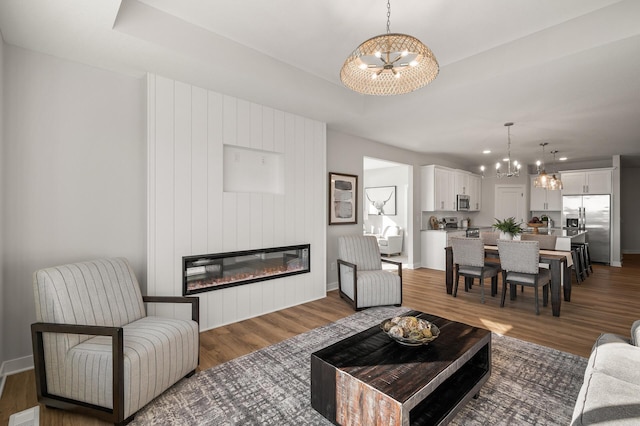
[[463, 202]]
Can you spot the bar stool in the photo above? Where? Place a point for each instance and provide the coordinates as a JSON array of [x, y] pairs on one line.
[[577, 251], [586, 257]]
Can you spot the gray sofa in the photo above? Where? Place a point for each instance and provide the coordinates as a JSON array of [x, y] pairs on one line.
[[610, 393]]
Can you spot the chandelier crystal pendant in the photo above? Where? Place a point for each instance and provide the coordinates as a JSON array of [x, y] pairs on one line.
[[389, 64], [542, 180], [511, 171]]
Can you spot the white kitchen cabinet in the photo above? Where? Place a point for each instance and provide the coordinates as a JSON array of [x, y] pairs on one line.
[[461, 182], [544, 200], [433, 244], [594, 181], [438, 189], [475, 193]]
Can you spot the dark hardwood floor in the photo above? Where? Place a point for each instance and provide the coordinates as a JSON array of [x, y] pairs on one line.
[[606, 302]]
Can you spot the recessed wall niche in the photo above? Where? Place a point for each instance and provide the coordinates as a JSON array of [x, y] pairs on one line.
[[252, 170]]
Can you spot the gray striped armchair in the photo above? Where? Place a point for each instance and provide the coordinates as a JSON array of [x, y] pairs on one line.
[[96, 351], [361, 279]]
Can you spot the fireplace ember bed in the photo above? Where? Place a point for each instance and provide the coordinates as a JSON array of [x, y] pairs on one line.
[[209, 272]]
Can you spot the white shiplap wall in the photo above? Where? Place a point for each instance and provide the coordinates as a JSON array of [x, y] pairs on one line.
[[189, 213]]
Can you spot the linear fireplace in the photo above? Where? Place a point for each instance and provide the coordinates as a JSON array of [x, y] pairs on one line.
[[208, 272]]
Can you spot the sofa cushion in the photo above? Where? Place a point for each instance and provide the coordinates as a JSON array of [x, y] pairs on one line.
[[606, 400], [377, 288], [610, 393], [154, 359], [635, 333], [614, 356]]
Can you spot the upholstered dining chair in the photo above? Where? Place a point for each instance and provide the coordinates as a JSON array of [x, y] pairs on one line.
[[489, 238], [546, 242], [520, 265], [361, 279], [96, 351], [469, 262]]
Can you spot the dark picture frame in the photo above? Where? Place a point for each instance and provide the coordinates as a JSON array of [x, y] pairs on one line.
[[381, 200], [343, 199]]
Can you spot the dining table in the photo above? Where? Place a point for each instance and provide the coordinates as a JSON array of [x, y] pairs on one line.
[[559, 262]]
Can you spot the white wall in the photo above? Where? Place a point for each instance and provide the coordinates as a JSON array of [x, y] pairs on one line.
[[74, 173], [189, 213], [3, 296]]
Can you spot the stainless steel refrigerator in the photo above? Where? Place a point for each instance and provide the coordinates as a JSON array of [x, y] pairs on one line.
[[594, 215]]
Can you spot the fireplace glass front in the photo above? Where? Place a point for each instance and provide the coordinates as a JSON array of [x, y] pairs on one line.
[[215, 271]]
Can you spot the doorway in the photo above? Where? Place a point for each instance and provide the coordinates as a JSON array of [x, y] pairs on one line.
[[385, 177], [510, 202]]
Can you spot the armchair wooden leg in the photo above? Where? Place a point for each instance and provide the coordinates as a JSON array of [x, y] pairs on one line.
[[456, 278]]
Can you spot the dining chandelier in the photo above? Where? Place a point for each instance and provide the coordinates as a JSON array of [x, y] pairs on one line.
[[389, 64], [511, 171]]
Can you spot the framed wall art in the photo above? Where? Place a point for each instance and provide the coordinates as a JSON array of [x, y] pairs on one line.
[[343, 199], [380, 200]]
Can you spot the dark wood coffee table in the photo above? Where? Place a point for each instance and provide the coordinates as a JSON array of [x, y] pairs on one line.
[[370, 379]]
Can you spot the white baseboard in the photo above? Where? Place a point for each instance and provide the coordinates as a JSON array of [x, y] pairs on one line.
[[14, 366], [332, 286], [630, 251]]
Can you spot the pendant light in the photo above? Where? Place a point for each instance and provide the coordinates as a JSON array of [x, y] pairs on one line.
[[389, 64], [516, 166], [555, 183], [542, 180]]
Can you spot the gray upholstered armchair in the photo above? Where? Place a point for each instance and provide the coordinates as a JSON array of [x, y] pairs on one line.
[[361, 279], [96, 351]]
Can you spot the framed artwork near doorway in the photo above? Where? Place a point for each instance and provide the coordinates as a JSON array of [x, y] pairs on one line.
[[343, 199], [381, 200]]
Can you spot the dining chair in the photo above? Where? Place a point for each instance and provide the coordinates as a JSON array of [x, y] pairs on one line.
[[489, 238], [469, 262], [520, 266], [546, 242]]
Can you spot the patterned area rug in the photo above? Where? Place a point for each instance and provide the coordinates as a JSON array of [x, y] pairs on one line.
[[529, 384]]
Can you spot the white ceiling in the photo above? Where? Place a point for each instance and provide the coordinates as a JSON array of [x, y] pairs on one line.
[[566, 72]]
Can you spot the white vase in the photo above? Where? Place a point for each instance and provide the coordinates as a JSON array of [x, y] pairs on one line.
[[506, 235]]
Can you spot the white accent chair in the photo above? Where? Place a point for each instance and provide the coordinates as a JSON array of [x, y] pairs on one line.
[[361, 279], [96, 351], [390, 242]]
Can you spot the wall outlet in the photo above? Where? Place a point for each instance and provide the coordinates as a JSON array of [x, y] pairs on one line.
[[333, 266]]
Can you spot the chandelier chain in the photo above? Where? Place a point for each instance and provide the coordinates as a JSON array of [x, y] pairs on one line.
[[388, 16]]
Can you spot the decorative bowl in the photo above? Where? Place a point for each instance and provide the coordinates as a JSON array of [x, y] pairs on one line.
[[410, 327], [535, 226]]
